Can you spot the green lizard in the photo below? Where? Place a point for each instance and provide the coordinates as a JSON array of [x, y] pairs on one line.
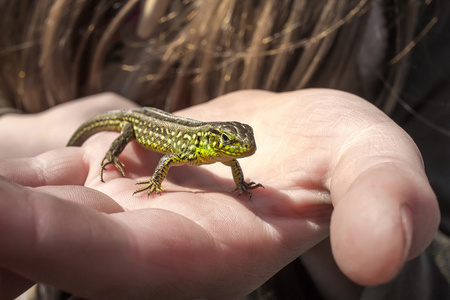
[[182, 140]]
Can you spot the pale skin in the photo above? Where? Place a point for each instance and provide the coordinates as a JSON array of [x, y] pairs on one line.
[[332, 166]]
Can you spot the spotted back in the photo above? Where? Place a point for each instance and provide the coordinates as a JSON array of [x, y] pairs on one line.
[[206, 142]]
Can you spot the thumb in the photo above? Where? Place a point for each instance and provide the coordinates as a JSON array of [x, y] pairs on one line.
[[388, 215]]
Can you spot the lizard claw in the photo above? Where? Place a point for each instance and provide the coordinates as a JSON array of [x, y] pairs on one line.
[[111, 160], [244, 187], [151, 186]]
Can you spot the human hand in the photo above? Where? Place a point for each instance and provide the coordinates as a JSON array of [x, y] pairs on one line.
[[317, 150], [26, 135]]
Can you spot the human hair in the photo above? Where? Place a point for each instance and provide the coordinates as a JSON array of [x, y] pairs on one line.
[[180, 53]]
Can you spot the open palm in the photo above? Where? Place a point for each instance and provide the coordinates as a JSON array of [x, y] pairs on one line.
[[329, 161]]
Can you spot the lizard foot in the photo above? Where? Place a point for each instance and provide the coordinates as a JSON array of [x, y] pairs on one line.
[[111, 160], [245, 187], [151, 186]]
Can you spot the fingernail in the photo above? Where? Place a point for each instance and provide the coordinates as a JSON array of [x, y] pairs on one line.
[[407, 224]]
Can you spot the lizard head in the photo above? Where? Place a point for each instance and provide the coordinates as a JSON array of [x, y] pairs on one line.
[[232, 139]]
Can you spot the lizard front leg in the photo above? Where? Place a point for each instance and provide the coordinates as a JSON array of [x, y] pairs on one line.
[[117, 146], [154, 183], [238, 176]]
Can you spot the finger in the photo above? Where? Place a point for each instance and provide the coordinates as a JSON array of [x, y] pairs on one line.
[[65, 166], [45, 239], [382, 202], [87, 253], [386, 217], [85, 196]]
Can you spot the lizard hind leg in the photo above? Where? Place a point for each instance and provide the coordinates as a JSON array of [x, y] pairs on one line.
[[116, 148]]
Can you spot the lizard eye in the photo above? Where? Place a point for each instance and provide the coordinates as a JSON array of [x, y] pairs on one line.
[[225, 139]]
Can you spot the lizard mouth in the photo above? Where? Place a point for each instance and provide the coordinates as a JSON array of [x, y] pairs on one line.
[[240, 151]]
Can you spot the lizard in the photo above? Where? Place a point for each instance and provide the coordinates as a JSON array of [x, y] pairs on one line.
[[181, 140]]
